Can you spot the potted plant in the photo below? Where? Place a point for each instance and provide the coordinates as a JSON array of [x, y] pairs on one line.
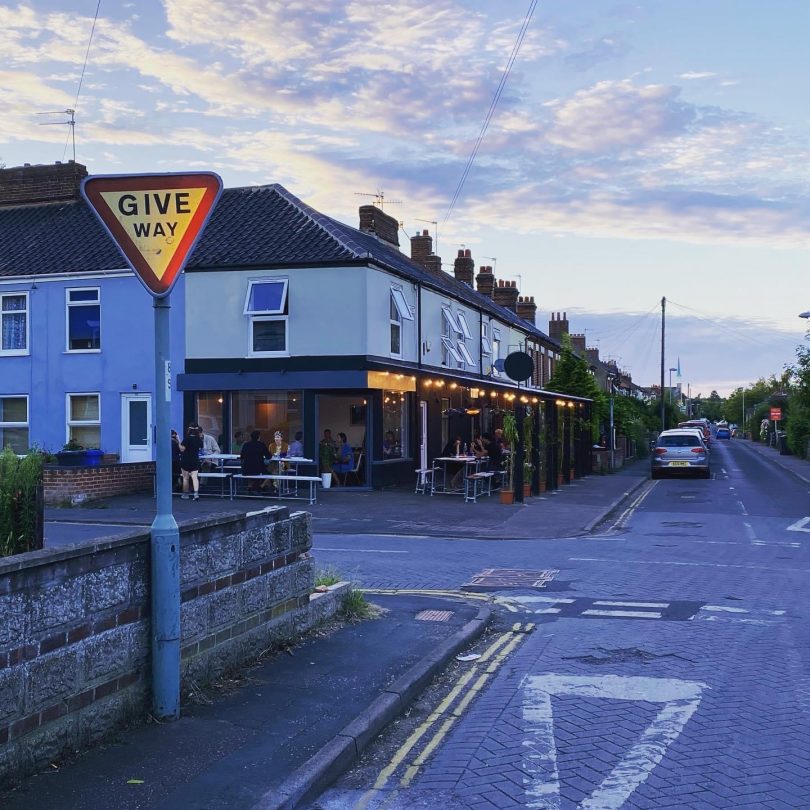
[[75, 455], [510, 436]]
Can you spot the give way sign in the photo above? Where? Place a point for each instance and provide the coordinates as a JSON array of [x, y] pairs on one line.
[[154, 219]]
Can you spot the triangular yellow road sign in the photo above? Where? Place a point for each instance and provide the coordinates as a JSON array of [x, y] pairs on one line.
[[154, 219]]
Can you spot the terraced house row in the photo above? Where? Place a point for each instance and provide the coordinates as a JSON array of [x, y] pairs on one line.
[[285, 319]]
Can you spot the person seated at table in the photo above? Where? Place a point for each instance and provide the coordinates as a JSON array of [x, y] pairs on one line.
[[390, 448], [345, 457], [495, 453], [480, 445], [253, 455], [238, 441], [453, 447], [209, 445], [296, 448]]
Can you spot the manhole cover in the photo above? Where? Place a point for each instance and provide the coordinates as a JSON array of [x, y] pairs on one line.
[[494, 579], [434, 615]]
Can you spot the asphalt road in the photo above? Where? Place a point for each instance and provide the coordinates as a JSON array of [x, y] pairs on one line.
[[664, 662]]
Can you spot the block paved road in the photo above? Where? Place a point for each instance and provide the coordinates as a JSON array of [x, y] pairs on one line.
[[664, 664]]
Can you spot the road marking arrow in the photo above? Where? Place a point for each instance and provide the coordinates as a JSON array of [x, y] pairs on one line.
[[799, 525]]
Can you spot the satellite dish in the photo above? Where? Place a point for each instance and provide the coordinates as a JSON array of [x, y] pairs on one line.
[[499, 364], [518, 366]]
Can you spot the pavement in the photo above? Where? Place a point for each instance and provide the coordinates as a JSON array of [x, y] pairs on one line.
[[293, 723]]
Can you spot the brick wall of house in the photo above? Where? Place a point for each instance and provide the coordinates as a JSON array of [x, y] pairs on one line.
[[63, 483], [75, 656], [23, 185]]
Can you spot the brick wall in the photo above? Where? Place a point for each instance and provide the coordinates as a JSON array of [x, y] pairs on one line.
[[24, 185], [62, 483], [75, 655]]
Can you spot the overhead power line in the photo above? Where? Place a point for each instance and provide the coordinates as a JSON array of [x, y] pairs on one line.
[[491, 111]]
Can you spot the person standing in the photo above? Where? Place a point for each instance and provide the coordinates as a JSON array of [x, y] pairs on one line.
[[190, 449], [176, 455], [252, 457]]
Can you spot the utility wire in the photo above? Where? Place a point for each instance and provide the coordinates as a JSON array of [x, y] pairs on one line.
[[716, 323], [84, 68], [491, 111]]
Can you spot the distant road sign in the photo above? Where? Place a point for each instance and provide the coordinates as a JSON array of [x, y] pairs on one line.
[[154, 219], [776, 414]]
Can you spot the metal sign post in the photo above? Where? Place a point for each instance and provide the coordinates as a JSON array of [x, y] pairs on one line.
[[155, 221]]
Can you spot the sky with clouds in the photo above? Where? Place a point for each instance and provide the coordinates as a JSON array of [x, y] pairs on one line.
[[638, 150]]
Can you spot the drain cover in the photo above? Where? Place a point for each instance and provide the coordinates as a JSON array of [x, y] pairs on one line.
[[495, 579], [434, 615]]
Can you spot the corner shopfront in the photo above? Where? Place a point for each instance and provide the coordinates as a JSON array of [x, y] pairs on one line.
[[422, 411]]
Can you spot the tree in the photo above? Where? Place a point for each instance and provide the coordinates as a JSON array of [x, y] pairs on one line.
[[798, 413]]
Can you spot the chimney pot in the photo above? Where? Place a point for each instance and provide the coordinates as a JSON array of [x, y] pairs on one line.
[[464, 267]]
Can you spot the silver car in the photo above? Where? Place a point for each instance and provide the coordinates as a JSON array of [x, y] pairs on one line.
[[680, 453]]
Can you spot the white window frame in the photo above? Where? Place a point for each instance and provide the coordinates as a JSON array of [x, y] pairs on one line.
[[395, 321], [451, 351], [71, 304], [263, 318], [450, 320], [465, 329], [401, 303], [27, 349], [486, 346], [279, 311], [496, 350], [265, 315], [465, 353], [13, 425], [69, 423]]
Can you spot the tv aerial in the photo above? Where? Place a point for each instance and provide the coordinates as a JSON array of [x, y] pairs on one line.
[[379, 199], [71, 122]]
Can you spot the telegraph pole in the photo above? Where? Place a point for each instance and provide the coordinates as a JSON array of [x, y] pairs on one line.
[[663, 346]]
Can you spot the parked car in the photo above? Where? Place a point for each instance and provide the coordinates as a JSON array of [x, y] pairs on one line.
[[723, 433], [702, 424], [680, 452]]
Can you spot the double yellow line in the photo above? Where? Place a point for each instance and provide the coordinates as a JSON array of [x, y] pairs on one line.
[[444, 716]]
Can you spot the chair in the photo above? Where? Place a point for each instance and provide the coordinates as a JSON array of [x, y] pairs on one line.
[[355, 471]]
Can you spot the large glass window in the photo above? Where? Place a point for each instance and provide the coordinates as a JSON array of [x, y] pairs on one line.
[[14, 423], [267, 412], [395, 424], [84, 420], [267, 308], [14, 323], [486, 346], [84, 319], [210, 409]]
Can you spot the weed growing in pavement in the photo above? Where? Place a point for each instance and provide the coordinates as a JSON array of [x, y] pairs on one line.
[[327, 576], [355, 608]]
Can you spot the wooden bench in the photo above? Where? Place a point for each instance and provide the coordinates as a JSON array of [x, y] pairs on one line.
[[290, 493], [477, 484]]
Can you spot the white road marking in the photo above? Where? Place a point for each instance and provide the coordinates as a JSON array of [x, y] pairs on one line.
[[624, 614], [742, 506], [680, 700], [690, 564], [752, 535], [362, 550], [548, 610], [553, 599], [632, 604], [799, 525], [724, 609]]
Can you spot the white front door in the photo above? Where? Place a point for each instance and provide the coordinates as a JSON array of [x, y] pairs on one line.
[[136, 427]]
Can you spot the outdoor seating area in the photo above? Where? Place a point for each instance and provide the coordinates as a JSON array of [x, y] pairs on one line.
[[463, 475]]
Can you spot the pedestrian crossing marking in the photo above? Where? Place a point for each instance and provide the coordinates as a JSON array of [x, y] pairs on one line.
[[625, 614], [679, 700], [584, 607], [633, 604]]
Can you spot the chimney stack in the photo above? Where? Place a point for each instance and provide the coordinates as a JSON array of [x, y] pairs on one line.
[[593, 356], [422, 253], [506, 294], [578, 345], [377, 223], [464, 267], [558, 326], [526, 308], [27, 185], [485, 281]]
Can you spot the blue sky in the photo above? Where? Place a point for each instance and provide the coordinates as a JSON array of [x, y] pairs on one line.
[[639, 150]]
